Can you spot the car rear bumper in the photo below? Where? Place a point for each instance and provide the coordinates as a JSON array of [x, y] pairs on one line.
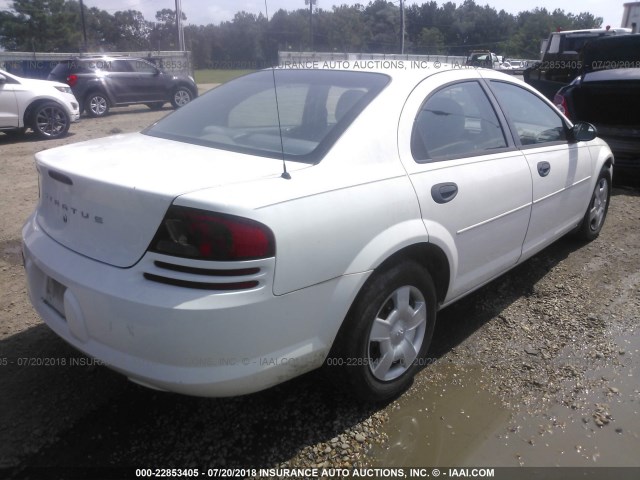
[[180, 339]]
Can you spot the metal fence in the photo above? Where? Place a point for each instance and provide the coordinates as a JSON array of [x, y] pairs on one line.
[[39, 64], [287, 57]]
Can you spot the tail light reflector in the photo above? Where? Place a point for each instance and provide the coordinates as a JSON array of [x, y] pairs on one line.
[[200, 234], [72, 80]]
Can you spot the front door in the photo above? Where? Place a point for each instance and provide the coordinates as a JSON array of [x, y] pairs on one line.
[[561, 170]]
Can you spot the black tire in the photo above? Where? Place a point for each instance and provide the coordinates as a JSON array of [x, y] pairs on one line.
[[399, 302], [96, 104], [50, 120], [181, 96], [155, 105], [596, 213]]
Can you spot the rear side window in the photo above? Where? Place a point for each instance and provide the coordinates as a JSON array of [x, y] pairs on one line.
[[86, 66], [62, 69], [534, 120], [312, 110], [456, 121], [118, 66]]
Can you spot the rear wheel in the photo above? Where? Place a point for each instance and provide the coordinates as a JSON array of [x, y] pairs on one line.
[[96, 104], [596, 213], [50, 120], [181, 96], [387, 333]]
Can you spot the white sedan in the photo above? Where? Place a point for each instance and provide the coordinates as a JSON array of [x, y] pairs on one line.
[[294, 219], [48, 108]]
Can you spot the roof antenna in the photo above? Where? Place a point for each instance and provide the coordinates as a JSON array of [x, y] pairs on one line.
[[284, 174]]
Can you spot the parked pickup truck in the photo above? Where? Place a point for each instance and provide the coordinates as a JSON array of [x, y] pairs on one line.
[[484, 59], [610, 100], [561, 59]]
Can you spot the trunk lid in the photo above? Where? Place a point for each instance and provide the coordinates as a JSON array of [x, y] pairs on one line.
[[105, 198]]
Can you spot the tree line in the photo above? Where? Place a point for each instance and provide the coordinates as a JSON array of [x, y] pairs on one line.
[[449, 28]]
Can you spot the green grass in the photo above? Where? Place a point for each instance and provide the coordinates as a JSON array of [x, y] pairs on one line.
[[218, 76]]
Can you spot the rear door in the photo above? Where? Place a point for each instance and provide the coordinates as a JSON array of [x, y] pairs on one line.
[[561, 170], [122, 80], [473, 184]]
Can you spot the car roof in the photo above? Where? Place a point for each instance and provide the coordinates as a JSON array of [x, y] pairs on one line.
[[404, 80], [614, 40], [612, 31], [106, 57], [619, 74], [402, 70]]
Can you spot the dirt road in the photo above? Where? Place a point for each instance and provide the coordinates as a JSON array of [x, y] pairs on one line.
[[538, 368]]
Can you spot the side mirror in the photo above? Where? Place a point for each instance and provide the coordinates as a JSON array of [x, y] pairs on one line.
[[584, 132]]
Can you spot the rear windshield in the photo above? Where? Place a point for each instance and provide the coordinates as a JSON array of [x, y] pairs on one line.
[[575, 42], [313, 108], [611, 53]]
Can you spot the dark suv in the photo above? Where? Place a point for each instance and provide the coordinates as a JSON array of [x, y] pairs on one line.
[[103, 82], [607, 94], [562, 58]]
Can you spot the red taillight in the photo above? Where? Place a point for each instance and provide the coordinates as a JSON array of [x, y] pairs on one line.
[[72, 80], [561, 103], [193, 233]]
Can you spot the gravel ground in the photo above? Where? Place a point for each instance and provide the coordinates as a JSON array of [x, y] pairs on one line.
[[537, 339]]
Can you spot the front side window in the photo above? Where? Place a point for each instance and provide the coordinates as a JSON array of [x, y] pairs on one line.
[[143, 67], [455, 121], [271, 113], [554, 46], [534, 120]]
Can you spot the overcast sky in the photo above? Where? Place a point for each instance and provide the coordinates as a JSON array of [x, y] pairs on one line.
[[203, 12]]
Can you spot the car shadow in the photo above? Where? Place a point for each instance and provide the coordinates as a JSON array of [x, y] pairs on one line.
[[30, 137], [459, 321], [630, 188], [130, 110], [112, 422], [123, 424]]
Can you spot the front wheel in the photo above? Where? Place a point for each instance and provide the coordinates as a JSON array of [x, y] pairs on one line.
[[386, 334], [181, 96], [596, 213], [50, 121]]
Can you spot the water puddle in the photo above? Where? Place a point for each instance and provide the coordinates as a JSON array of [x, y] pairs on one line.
[[450, 418], [441, 423]]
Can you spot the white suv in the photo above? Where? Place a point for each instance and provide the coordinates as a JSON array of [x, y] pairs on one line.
[[48, 108]]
